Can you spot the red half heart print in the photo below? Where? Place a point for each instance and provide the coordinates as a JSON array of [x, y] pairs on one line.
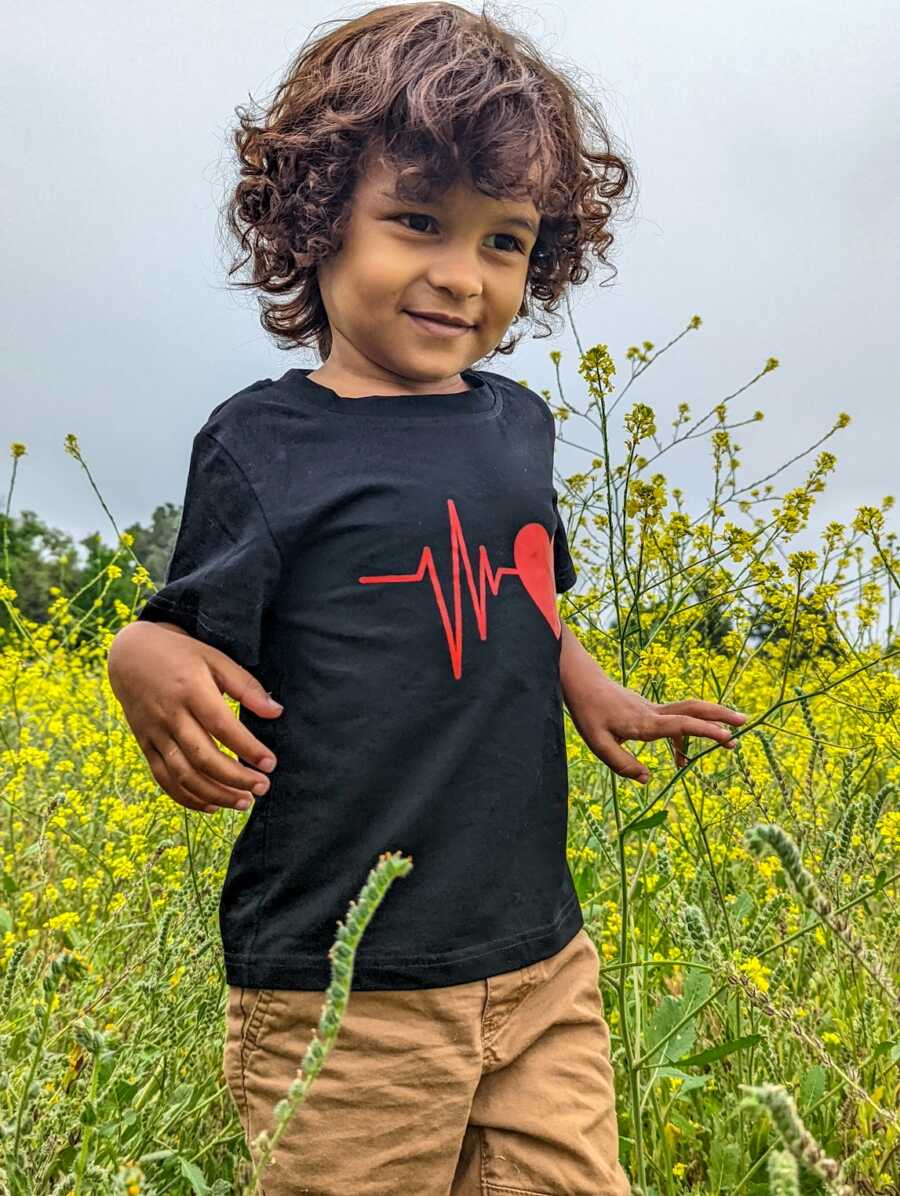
[[533, 555]]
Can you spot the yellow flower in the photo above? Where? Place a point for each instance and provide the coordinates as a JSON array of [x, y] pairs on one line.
[[63, 921], [757, 972], [889, 827]]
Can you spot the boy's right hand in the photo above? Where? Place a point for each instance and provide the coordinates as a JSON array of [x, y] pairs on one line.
[[170, 686]]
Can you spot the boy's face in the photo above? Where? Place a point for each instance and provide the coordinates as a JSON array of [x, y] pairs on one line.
[[463, 256]]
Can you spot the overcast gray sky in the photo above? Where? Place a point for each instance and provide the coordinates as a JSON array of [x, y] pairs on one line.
[[766, 142]]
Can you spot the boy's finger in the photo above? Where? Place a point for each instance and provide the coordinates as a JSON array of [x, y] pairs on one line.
[[170, 786], [241, 685], [722, 714], [683, 724], [620, 761], [194, 770], [211, 716], [694, 707]]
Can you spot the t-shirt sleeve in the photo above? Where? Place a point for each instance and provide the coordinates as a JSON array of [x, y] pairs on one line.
[[225, 564], [563, 568]]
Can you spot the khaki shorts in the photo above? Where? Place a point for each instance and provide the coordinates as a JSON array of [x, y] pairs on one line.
[[498, 1087]]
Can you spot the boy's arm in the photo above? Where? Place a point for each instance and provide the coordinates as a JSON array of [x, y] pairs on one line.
[[174, 627], [578, 670], [220, 581], [606, 713]]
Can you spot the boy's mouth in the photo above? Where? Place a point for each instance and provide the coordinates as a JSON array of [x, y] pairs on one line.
[[439, 328]]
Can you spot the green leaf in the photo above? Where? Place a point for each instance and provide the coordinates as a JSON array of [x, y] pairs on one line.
[[195, 1177], [180, 1098], [125, 1091], [696, 988], [724, 1158], [63, 1160], [667, 1015], [648, 823], [718, 1052], [812, 1086], [181, 1093]]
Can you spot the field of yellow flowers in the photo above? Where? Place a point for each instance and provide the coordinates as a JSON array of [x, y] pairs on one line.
[[745, 906]]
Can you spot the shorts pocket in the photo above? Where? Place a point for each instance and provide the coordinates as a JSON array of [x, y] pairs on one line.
[[257, 1003], [247, 1020], [595, 971]]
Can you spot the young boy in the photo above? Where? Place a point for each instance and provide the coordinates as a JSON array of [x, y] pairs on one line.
[[377, 542]]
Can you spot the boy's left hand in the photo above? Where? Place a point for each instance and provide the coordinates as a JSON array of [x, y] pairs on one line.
[[607, 714]]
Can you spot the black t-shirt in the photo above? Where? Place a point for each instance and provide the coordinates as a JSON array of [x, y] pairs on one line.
[[388, 567]]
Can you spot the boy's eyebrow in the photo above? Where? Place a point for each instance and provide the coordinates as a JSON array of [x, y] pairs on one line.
[[519, 221]]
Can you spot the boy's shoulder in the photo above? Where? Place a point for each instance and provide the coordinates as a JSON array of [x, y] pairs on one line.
[[252, 419], [235, 410], [518, 390]]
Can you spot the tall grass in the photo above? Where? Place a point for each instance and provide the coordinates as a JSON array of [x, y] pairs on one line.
[[745, 906]]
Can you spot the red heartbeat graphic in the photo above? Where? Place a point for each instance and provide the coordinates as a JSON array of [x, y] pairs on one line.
[[533, 556]]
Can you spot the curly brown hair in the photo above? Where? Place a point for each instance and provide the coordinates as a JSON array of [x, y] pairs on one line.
[[440, 94]]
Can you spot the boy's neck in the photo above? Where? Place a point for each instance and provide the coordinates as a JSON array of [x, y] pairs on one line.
[[349, 387]]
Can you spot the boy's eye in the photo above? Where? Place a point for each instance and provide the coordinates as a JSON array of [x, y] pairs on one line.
[[518, 246]]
